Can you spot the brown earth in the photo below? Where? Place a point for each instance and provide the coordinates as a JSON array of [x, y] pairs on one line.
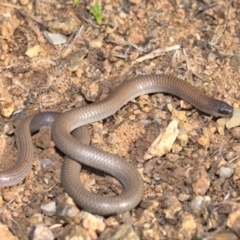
[[192, 192]]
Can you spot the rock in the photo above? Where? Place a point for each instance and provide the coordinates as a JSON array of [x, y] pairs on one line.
[[73, 232], [24, 2], [226, 171], [65, 26], [33, 51], [164, 142], [67, 210], [92, 223], [55, 38], [183, 197], [125, 231], [171, 207], [7, 108], [199, 179], [225, 236], [188, 225], [236, 133], [40, 232], [204, 141], [233, 221], [234, 121], [5, 233], [196, 203], [90, 90], [49, 208]]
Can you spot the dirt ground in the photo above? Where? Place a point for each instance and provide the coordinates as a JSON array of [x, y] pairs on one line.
[[192, 191]]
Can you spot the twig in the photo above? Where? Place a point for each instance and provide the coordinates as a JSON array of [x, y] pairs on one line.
[[10, 6], [156, 53], [205, 7], [72, 43], [220, 30]]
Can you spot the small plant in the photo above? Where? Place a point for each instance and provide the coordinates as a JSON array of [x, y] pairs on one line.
[[96, 11], [75, 1]]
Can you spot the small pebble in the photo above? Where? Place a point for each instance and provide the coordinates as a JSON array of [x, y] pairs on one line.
[[49, 208], [24, 2], [72, 232], [124, 231], [25, 199], [5, 233], [40, 232], [149, 166], [229, 155], [236, 132], [92, 222], [226, 171], [46, 162], [183, 197], [55, 38], [196, 203], [36, 218], [211, 57], [7, 109], [236, 147], [15, 214], [156, 176]]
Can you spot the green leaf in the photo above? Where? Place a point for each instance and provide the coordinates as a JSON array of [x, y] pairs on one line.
[[75, 1], [96, 11]]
